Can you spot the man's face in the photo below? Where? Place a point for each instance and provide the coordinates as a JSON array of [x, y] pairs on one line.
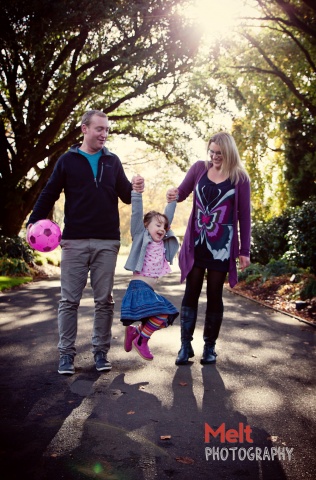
[[96, 133]]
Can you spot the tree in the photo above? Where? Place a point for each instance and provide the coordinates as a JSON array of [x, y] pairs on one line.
[[268, 67], [295, 25], [300, 158], [61, 57]]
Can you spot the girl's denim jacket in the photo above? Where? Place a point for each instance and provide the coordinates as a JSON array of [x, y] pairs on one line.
[[141, 238]]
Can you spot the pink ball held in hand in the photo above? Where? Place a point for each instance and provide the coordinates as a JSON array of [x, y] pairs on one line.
[[44, 235]]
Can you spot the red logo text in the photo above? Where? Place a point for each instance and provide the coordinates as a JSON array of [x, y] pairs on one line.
[[243, 434]]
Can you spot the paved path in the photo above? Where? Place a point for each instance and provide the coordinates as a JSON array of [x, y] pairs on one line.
[[147, 420]]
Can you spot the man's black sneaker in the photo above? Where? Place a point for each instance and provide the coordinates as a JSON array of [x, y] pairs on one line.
[[66, 365], [101, 362]]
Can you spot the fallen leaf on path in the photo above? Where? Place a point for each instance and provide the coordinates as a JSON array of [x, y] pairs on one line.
[[187, 460], [131, 412], [183, 384], [165, 437]]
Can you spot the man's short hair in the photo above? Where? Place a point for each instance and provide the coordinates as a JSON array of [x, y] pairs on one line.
[[86, 117]]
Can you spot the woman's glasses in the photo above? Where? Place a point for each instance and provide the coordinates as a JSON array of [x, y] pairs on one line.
[[215, 154]]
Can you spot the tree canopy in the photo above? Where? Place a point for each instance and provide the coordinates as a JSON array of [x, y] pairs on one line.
[[143, 64], [268, 66], [61, 57]]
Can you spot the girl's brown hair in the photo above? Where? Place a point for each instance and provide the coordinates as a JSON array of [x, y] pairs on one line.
[[152, 214]]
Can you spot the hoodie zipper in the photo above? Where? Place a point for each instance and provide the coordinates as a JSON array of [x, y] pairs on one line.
[[101, 173], [100, 178]]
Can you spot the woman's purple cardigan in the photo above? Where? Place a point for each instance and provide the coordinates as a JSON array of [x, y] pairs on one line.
[[241, 217]]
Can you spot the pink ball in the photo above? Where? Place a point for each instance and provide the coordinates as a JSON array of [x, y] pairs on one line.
[[44, 235]]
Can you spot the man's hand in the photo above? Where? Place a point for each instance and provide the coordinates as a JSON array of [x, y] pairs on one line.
[[172, 194], [28, 232], [138, 183]]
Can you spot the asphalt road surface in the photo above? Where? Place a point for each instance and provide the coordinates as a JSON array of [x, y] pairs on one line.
[[250, 416]]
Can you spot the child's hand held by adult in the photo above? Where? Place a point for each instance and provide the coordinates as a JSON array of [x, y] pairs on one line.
[[172, 194], [138, 183]]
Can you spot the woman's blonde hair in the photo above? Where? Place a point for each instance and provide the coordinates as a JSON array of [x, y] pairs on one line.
[[232, 166]]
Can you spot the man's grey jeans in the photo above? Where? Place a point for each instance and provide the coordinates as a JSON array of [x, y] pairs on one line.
[[77, 259]]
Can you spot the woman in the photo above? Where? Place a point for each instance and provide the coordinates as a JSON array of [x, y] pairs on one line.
[[221, 207]]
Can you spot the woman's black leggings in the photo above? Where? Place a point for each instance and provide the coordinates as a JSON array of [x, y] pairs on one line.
[[214, 289]]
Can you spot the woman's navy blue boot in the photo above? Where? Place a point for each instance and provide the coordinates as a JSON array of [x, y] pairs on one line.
[[188, 321], [213, 322]]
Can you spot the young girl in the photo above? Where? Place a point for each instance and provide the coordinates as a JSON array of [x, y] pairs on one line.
[[154, 245]]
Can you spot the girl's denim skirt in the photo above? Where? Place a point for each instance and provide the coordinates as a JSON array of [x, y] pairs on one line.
[[141, 302]]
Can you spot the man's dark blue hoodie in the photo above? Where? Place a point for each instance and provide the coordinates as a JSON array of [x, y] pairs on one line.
[[91, 204]]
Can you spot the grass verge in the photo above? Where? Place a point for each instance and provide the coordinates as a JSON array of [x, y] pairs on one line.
[[10, 282]]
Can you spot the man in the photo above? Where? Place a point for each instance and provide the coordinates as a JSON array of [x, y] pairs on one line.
[[92, 179]]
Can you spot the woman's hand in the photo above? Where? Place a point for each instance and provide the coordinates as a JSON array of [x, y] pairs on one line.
[[244, 262], [172, 194]]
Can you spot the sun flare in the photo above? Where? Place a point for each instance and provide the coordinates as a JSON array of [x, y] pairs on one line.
[[217, 18]]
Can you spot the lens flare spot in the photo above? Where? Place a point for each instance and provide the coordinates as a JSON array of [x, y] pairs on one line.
[[98, 468]]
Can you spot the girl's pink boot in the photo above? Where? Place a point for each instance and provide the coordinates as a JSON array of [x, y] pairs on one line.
[[141, 345], [130, 334]]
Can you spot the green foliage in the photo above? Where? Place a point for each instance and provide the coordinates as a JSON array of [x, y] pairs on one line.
[[50, 261], [138, 62], [16, 247], [309, 289], [51, 258], [290, 237], [275, 268], [13, 267], [301, 236], [9, 282], [254, 271], [129, 59], [253, 277], [300, 157], [267, 65], [39, 261], [268, 238]]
